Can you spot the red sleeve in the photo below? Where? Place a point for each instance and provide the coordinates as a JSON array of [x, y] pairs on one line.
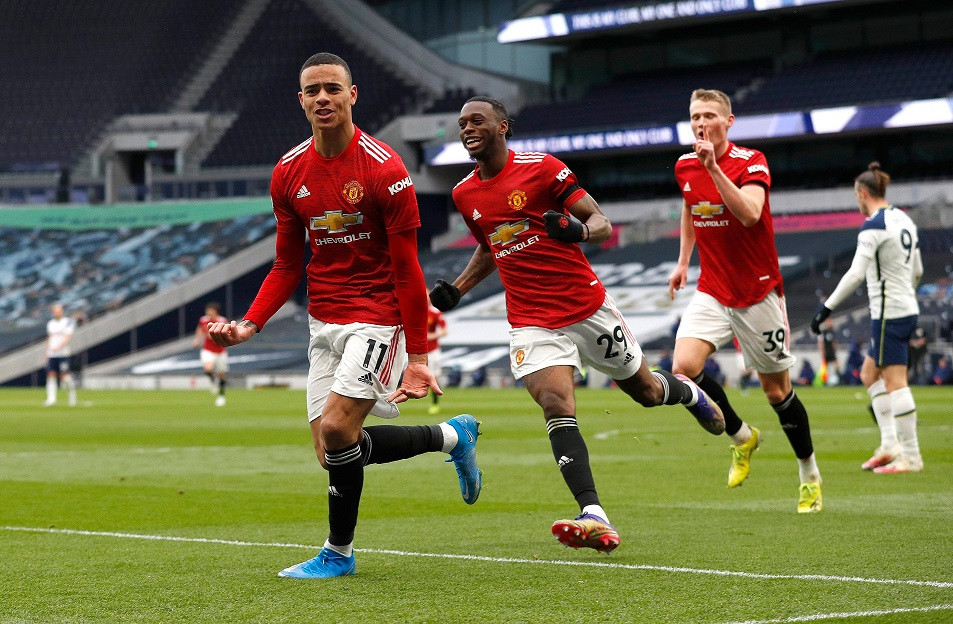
[[411, 288], [756, 172], [282, 280], [563, 184]]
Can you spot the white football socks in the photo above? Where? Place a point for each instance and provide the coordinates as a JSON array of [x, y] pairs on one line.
[[883, 412], [596, 510], [345, 551], [742, 435], [450, 437], [905, 413], [51, 390], [808, 470]]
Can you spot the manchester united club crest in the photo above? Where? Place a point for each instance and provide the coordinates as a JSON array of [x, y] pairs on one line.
[[516, 199], [353, 191], [520, 356]]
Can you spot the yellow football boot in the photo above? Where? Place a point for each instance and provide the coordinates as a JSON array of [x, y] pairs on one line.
[[741, 458], [809, 499]]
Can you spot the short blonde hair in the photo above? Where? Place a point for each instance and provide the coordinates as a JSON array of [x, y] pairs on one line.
[[712, 95]]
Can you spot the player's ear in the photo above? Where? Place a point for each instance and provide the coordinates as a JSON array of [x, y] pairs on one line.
[[353, 94], [731, 120]]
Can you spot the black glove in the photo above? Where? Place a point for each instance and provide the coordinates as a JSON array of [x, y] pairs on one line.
[[822, 313], [444, 296], [565, 228]]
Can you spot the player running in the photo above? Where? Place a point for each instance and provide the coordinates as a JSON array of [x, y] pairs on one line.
[[529, 213], [214, 357], [888, 257], [352, 195], [740, 292]]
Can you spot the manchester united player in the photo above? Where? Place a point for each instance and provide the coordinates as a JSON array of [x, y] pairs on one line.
[[436, 329], [367, 303], [740, 292], [528, 212], [214, 357]]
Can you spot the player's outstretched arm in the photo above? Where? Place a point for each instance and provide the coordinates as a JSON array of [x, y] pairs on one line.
[[679, 276], [231, 334]]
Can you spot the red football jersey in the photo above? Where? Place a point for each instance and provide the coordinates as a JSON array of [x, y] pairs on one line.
[[548, 283], [208, 345], [347, 205], [435, 320], [739, 265]]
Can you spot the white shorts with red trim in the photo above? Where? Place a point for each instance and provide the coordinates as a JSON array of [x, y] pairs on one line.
[[354, 360], [216, 362], [762, 329], [603, 341]]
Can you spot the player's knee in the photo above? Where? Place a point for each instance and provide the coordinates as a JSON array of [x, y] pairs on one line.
[[775, 394], [688, 368], [868, 376], [555, 403]]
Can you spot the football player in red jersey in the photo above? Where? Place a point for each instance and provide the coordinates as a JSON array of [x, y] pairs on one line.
[[740, 291], [529, 213], [352, 196], [436, 329], [214, 357]]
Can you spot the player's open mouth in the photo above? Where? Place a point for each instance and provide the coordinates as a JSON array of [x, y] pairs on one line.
[[323, 113], [472, 142]]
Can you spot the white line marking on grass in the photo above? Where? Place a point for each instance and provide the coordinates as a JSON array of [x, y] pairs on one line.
[[403, 553], [854, 614]]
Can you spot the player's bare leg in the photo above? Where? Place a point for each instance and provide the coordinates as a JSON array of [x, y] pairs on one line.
[[552, 388], [689, 360], [653, 388]]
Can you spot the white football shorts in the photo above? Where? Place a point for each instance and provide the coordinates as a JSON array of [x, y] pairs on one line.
[[603, 341], [217, 361], [434, 361], [762, 329], [354, 360]]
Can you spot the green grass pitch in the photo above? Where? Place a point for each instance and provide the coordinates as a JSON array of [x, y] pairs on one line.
[[86, 492]]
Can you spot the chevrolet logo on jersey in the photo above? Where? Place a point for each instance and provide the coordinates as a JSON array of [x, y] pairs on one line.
[[506, 233], [335, 221], [706, 210]]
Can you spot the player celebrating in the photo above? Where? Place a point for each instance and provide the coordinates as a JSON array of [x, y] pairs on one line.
[[214, 357], [367, 298], [888, 257], [59, 333], [528, 213], [436, 329], [740, 292]]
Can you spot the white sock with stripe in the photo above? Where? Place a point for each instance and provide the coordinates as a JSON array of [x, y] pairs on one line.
[[905, 413]]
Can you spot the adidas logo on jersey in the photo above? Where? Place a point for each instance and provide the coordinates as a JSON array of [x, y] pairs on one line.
[[366, 378], [476, 214], [303, 192], [687, 187]]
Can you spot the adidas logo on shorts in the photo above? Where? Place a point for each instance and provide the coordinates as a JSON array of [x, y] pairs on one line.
[[628, 358], [366, 378]]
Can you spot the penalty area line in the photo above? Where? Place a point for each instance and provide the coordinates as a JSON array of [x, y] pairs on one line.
[[483, 558], [852, 614]]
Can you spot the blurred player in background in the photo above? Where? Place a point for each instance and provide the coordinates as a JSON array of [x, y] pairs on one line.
[[59, 333], [827, 348], [740, 292], [888, 258], [436, 329], [214, 357], [353, 197], [529, 213]]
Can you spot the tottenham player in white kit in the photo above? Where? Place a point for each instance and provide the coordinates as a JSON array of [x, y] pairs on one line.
[[888, 257], [59, 332]]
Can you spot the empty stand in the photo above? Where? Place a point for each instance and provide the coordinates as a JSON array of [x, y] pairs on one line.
[[261, 85]]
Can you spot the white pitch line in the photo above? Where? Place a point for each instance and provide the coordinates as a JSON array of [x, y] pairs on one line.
[[588, 564], [853, 614]]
